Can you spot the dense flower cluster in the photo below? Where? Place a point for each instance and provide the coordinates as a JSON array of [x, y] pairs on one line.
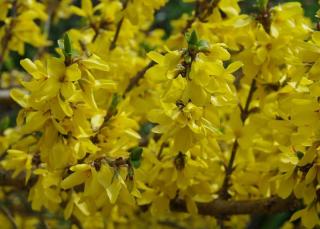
[[121, 124]]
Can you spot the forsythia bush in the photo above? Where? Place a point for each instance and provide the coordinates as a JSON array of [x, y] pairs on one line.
[[123, 128]]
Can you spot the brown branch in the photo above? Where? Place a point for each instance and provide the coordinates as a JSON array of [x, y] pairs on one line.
[[229, 169], [119, 25], [116, 35], [224, 195], [134, 81], [264, 17], [208, 10], [202, 11], [245, 113], [188, 24], [220, 207], [96, 32]]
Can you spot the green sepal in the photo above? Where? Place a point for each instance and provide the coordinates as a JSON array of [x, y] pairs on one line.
[[112, 110], [67, 45], [115, 101], [135, 156], [116, 173], [145, 129], [195, 44], [193, 39]]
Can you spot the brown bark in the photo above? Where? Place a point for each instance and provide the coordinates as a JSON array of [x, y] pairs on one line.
[[220, 207]]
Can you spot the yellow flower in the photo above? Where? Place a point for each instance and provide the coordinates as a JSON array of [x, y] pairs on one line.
[[309, 216], [18, 161], [45, 192]]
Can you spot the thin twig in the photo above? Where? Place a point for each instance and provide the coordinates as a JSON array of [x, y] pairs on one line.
[[116, 35], [229, 169], [224, 195], [119, 25], [202, 11], [265, 20], [134, 81], [208, 10], [8, 214]]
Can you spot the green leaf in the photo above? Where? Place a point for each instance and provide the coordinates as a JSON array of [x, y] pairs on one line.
[[112, 110], [115, 101], [135, 156], [4, 123], [193, 38], [145, 128], [135, 153], [136, 164], [263, 4], [274, 221], [67, 45], [195, 44]]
